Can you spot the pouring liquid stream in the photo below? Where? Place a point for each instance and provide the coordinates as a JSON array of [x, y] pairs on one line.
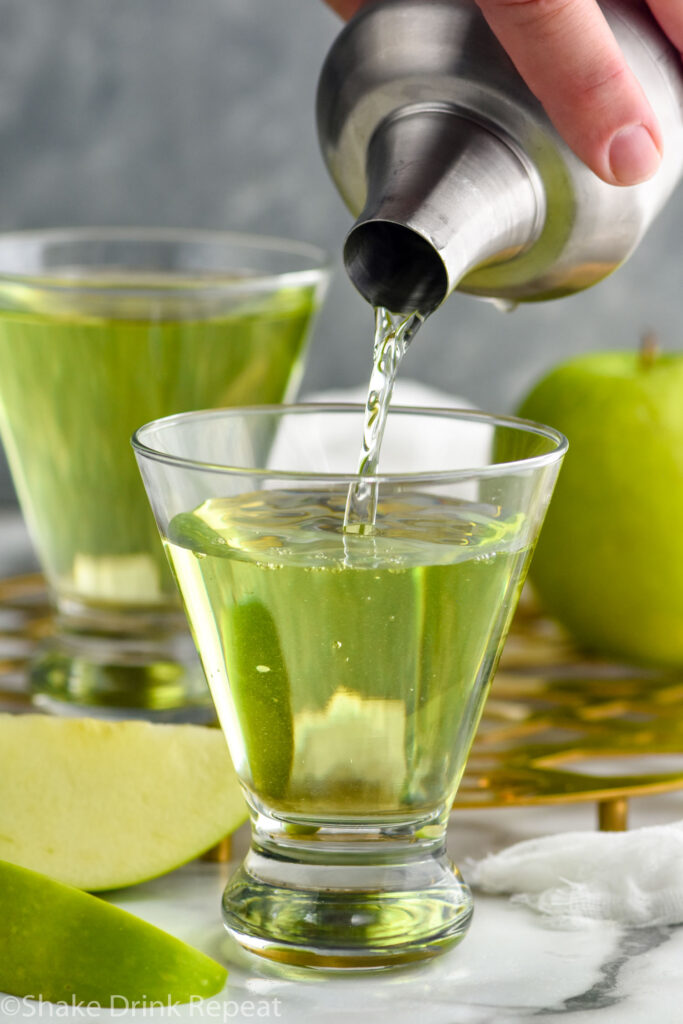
[[393, 334]]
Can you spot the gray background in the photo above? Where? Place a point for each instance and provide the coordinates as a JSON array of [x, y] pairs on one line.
[[199, 113]]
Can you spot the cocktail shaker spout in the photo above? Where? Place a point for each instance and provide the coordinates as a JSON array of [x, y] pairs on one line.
[[444, 194], [456, 175]]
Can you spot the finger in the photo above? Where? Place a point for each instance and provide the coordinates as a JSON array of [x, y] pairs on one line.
[[346, 8], [567, 55], [670, 16]]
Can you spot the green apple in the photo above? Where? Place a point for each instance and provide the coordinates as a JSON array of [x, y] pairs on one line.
[[100, 805], [63, 945], [609, 563]]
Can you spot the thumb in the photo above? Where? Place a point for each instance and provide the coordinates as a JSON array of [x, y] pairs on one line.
[[567, 55]]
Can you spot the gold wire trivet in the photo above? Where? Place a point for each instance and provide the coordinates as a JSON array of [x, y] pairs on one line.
[[557, 726], [561, 727]]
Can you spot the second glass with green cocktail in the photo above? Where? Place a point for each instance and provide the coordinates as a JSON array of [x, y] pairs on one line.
[[99, 331]]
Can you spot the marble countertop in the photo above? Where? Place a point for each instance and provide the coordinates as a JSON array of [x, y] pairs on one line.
[[513, 966]]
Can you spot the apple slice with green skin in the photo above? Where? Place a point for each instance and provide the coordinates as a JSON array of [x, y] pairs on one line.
[[101, 805], [63, 945]]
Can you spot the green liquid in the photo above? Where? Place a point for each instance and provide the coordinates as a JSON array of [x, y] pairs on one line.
[[74, 387], [348, 672]]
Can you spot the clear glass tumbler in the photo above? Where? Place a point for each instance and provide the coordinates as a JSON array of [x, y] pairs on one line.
[[101, 330], [348, 667]]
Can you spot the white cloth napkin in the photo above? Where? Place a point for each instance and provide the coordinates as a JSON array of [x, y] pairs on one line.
[[403, 447], [634, 878]]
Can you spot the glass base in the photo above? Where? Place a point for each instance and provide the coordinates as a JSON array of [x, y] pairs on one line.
[[155, 676], [347, 901]]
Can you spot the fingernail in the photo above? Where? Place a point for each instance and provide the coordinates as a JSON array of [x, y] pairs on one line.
[[633, 155]]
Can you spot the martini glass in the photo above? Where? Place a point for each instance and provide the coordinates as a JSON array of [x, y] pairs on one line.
[[348, 667], [101, 330]]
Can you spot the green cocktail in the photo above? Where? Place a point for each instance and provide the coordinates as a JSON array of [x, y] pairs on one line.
[[113, 328], [73, 391], [348, 660], [348, 666]]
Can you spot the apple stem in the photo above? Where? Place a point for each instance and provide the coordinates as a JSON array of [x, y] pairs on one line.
[[650, 350]]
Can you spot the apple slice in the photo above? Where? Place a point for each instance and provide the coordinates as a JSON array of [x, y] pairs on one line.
[[63, 945], [100, 805]]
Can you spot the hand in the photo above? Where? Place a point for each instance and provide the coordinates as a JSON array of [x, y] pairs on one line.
[[567, 55]]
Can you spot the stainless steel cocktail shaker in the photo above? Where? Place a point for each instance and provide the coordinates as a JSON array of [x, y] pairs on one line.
[[456, 175]]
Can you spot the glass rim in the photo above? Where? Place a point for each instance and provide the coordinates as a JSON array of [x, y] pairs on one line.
[[316, 262], [307, 408]]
